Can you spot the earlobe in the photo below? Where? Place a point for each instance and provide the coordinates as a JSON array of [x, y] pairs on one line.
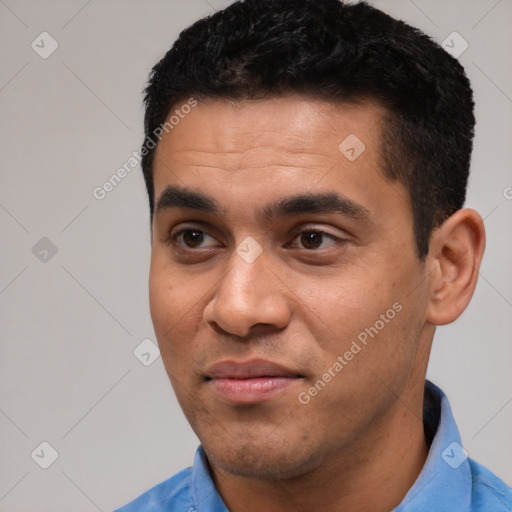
[[456, 250]]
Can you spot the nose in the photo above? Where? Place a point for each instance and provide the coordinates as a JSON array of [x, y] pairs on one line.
[[248, 297]]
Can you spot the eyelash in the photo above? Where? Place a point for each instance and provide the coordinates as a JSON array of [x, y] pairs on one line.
[[173, 239]]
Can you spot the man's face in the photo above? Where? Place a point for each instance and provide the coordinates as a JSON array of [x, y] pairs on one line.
[[318, 282]]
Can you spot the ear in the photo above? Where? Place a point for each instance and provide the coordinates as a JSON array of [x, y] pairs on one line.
[[455, 254]]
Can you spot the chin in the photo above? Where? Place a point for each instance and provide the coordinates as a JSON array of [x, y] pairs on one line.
[[262, 459]]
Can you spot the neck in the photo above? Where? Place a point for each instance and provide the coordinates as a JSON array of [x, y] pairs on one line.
[[371, 475]]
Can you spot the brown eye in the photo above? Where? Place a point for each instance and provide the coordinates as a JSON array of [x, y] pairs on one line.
[[191, 238], [313, 240]]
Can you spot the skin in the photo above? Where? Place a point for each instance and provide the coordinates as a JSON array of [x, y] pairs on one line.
[[359, 443]]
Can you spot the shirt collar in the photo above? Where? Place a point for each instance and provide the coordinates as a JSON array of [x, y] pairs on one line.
[[444, 484], [205, 496]]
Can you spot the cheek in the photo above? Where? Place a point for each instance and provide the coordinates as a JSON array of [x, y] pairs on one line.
[[344, 307], [161, 299], [371, 307], [168, 306], [175, 303], [170, 293]]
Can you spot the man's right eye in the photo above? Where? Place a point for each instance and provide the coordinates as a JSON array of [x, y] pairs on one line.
[[191, 238]]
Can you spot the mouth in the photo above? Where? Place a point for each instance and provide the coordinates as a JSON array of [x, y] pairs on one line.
[[249, 382]]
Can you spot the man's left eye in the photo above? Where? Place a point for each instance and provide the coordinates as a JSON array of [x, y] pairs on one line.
[[313, 239]]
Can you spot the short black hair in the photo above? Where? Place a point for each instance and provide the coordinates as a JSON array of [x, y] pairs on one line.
[[338, 52]]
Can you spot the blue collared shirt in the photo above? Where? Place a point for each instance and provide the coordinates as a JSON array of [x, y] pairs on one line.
[[448, 482]]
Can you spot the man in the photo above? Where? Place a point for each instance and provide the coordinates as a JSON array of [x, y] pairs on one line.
[[306, 164]]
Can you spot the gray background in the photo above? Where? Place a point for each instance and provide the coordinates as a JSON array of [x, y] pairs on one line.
[[70, 323]]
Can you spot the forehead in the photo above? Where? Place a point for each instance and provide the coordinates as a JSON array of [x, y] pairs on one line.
[[249, 151], [300, 127]]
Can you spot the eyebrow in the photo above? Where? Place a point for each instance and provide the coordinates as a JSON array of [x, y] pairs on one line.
[[174, 197]]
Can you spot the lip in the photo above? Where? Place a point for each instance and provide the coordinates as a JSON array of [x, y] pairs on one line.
[[249, 381]]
